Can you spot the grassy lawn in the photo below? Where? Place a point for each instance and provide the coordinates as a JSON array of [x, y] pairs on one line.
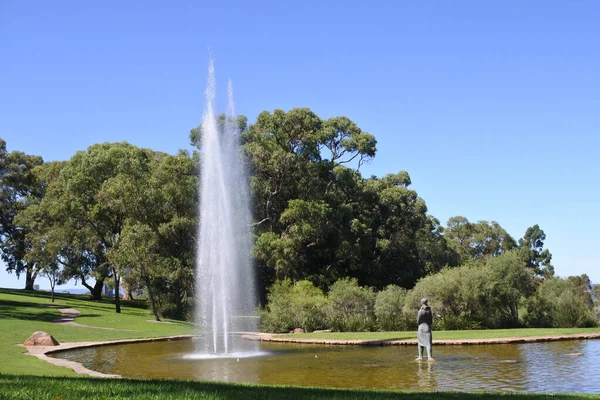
[[24, 312], [20, 387], [443, 335]]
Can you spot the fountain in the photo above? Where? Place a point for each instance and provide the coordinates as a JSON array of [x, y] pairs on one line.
[[225, 287]]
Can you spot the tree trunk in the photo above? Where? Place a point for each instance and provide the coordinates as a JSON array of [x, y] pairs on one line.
[[53, 284], [127, 292], [96, 290], [29, 278], [152, 302], [117, 284]]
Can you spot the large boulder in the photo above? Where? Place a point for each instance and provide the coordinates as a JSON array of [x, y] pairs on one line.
[[40, 338]]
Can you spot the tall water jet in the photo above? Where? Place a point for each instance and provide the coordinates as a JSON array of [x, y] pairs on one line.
[[225, 289]]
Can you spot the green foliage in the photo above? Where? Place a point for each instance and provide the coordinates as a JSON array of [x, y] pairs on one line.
[[475, 295], [531, 250], [562, 302], [19, 187], [290, 306], [476, 240], [388, 310], [350, 306]]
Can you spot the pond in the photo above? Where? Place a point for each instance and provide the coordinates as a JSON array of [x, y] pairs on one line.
[[564, 366]]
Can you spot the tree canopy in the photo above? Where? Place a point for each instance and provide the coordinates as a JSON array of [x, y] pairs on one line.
[[117, 212]]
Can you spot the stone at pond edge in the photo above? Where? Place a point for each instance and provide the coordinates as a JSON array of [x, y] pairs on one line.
[[40, 338], [297, 330]]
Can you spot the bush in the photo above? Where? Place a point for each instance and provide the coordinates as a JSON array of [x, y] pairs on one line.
[[290, 306], [350, 307], [388, 309], [475, 295], [456, 322], [561, 303]]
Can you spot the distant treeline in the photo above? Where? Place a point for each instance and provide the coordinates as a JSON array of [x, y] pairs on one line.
[[127, 216]]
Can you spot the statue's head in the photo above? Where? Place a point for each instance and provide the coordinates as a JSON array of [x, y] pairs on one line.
[[424, 302]]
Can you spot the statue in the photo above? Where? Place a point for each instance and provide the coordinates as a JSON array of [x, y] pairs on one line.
[[424, 321]]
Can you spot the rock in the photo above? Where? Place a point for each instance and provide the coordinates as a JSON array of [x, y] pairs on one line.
[[323, 331], [575, 354], [40, 338], [297, 330]]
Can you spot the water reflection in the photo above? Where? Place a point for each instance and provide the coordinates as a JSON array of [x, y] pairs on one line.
[[537, 367], [426, 379]]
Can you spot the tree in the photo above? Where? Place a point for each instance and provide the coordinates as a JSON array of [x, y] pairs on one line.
[[53, 273], [472, 241], [90, 203], [136, 254], [531, 250], [18, 188], [161, 229], [298, 162]]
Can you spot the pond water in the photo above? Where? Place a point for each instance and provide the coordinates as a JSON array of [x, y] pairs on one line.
[[531, 367]]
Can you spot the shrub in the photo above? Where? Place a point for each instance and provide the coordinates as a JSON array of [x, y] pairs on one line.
[[475, 295], [561, 303], [350, 307], [290, 306], [388, 309]]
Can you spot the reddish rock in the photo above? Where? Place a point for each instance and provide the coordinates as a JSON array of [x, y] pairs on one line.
[[40, 338], [297, 330]]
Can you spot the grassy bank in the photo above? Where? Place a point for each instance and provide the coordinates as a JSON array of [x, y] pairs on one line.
[[20, 387], [24, 312], [443, 335]]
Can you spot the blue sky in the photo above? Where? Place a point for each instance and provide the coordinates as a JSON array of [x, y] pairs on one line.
[[492, 107]]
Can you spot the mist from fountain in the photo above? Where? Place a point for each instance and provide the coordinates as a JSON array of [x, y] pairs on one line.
[[225, 289]]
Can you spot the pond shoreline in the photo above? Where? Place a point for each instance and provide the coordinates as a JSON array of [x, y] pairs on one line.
[[411, 342]]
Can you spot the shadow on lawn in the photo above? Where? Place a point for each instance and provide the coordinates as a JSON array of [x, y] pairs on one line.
[[22, 310], [83, 388]]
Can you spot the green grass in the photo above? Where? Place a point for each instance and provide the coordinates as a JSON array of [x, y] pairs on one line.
[[21, 387], [443, 335], [24, 312]]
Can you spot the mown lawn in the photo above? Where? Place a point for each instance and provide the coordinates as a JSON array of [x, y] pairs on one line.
[[443, 335], [24, 312], [25, 387]]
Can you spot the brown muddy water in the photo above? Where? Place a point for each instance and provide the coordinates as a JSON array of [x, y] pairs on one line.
[[565, 366]]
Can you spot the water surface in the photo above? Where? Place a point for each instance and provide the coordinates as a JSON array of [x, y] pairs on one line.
[[534, 367]]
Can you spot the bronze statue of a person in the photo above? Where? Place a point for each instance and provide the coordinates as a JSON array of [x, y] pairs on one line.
[[424, 321]]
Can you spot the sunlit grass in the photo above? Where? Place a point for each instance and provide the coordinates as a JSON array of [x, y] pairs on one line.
[[24, 312]]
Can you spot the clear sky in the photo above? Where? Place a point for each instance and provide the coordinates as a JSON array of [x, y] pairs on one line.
[[493, 107]]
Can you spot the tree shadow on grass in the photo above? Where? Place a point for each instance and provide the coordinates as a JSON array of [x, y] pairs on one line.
[[22, 311], [82, 388]]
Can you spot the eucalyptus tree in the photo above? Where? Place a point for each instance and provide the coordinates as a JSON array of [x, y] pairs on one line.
[[477, 240], [90, 203], [299, 162], [18, 188], [156, 246], [531, 250]]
